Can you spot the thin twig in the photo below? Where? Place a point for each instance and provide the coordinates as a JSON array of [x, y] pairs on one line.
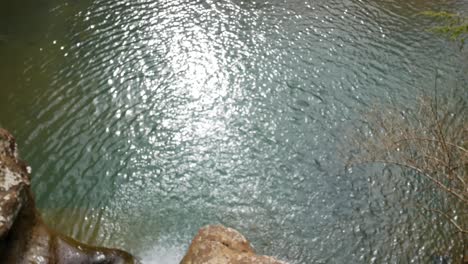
[[420, 171], [445, 215]]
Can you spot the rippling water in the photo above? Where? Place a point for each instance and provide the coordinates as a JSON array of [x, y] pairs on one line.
[[145, 120]]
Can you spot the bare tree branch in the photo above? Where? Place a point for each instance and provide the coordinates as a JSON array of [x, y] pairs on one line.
[[431, 141]]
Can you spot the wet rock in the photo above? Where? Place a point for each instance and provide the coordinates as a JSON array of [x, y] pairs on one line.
[[222, 245], [24, 238]]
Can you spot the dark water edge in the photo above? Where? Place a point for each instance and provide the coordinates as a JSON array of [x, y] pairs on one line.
[[145, 120]]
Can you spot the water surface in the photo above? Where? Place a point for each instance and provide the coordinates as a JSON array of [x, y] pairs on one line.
[[145, 120]]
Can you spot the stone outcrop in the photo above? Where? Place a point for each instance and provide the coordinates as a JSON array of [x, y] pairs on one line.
[[24, 238], [221, 245]]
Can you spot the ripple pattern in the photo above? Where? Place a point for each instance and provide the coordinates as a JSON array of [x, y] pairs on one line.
[[144, 120]]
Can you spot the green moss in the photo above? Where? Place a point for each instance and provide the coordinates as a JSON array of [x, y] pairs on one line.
[[439, 15], [453, 26]]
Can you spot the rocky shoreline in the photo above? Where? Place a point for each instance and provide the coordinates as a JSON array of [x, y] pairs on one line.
[[25, 239]]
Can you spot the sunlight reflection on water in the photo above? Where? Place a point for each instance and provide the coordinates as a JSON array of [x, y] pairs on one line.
[[159, 117]]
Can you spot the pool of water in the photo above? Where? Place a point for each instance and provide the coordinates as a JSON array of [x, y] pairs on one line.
[[145, 120]]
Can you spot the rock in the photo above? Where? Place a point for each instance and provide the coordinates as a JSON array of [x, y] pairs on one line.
[[24, 238], [14, 182], [221, 245]]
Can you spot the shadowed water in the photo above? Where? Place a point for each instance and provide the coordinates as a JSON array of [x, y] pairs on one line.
[[145, 120]]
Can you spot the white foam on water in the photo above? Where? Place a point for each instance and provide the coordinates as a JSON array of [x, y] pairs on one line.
[[162, 254]]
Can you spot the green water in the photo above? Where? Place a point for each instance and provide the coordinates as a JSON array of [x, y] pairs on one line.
[[145, 120]]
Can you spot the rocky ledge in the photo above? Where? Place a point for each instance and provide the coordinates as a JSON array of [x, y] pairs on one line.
[[221, 245], [24, 238]]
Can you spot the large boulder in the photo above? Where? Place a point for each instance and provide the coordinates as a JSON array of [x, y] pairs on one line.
[[24, 238], [221, 245]]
